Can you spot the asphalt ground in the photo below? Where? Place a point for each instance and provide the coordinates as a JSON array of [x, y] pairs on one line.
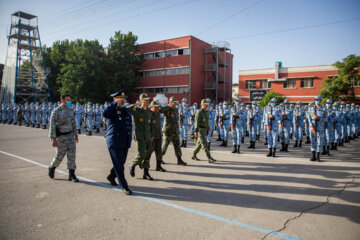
[[241, 196]]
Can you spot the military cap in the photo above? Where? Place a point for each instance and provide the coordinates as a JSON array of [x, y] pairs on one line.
[[205, 101], [336, 104], [154, 104], [195, 104], [144, 96], [184, 100], [286, 101], [119, 94], [353, 104], [318, 98], [329, 101], [273, 100], [300, 102], [172, 99], [254, 102]]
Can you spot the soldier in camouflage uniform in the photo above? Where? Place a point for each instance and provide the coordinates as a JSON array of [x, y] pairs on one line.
[[171, 129], [155, 127], [63, 135], [202, 130], [143, 135]]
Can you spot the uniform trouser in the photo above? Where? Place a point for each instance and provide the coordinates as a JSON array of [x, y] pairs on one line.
[[225, 129], [342, 131], [154, 146], [38, 119], [298, 132], [32, 118], [252, 132], [66, 145], [4, 117], [15, 118], [329, 135], [26, 117], [97, 121], [307, 131], [265, 132], [218, 130], [184, 132], [44, 121], [337, 132], [317, 140], [237, 134], [211, 129], [272, 138], [78, 120], [202, 143], [89, 123], [258, 129], [348, 129], [118, 158], [174, 138], [143, 146], [193, 125], [285, 134]]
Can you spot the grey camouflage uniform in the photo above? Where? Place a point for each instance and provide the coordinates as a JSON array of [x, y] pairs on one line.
[[62, 118]]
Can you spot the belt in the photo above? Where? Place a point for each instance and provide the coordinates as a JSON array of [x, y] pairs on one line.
[[62, 134]]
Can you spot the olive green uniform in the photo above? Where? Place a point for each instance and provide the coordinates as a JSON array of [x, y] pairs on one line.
[[202, 128], [143, 134], [155, 145], [171, 129]]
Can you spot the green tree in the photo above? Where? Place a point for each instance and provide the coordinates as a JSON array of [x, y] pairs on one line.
[[341, 87], [268, 96], [123, 63]]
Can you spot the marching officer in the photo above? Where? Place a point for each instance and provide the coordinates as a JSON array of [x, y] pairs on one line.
[[118, 138], [225, 114], [89, 115], [184, 115], [193, 111], [237, 118], [142, 119], [44, 115], [315, 117], [63, 136], [212, 120], [252, 121], [202, 130], [78, 114], [272, 124], [329, 128], [287, 120], [299, 118]]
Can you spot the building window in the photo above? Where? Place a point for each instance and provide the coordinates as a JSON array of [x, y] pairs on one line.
[[354, 82], [171, 71], [176, 71], [159, 90], [307, 82], [149, 56], [171, 89], [290, 83], [171, 53], [250, 84], [186, 51], [183, 89], [265, 84], [159, 54]]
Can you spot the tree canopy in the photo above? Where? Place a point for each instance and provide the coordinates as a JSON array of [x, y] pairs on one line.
[[83, 69], [268, 96], [341, 87]]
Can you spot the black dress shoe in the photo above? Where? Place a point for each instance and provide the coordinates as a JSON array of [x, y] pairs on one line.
[[127, 191], [195, 158], [111, 180], [132, 170]]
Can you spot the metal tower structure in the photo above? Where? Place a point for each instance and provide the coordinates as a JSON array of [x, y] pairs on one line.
[[24, 77], [218, 72]]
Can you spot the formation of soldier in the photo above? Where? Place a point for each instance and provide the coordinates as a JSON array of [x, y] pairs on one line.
[[325, 127]]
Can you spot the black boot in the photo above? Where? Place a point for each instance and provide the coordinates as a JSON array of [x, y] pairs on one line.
[[209, 145], [181, 162], [79, 131], [274, 151], [332, 146], [300, 144], [307, 140], [211, 160], [195, 158], [251, 145], [286, 147], [347, 139], [318, 157], [282, 147], [52, 172], [111, 180], [270, 153], [182, 144], [242, 140], [313, 158], [147, 175], [223, 143], [235, 149], [238, 149], [185, 142], [97, 130], [266, 142], [72, 176], [132, 170], [328, 150], [159, 168], [335, 146], [296, 143], [323, 151], [257, 137], [89, 133]]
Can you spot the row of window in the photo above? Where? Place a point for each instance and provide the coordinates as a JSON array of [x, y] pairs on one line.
[[288, 84], [169, 53], [162, 90], [163, 72]]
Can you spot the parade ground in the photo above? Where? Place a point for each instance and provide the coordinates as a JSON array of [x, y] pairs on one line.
[[241, 196]]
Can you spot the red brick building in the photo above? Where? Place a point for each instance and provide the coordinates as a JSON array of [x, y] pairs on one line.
[[295, 83], [186, 67]]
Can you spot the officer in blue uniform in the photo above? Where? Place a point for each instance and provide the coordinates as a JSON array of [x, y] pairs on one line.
[[184, 117], [118, 138], [212, 119], [329, 128], [225, 113], [299, 118], [253, 118], [237, 118], [315, 117], [287, 119], [272, 124], [78, 114]]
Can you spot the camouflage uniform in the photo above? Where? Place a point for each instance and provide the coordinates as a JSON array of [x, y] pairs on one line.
[[63, 128], [171, 130]]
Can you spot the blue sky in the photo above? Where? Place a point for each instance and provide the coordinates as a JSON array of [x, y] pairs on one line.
[[260, 32]]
